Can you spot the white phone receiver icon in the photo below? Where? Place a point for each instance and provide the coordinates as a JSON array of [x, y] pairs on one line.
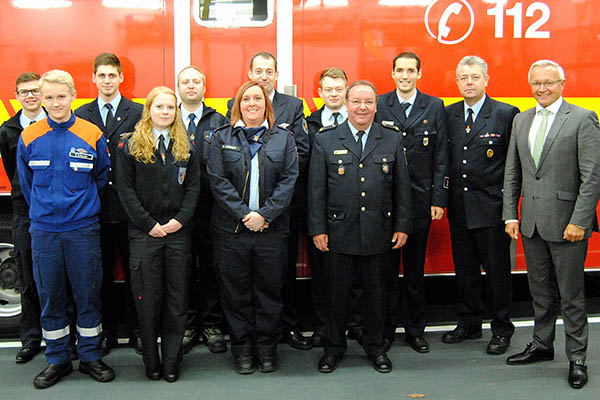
[[443, 28]]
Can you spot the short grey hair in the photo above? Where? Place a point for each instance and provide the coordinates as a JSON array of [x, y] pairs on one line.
[[547, 63], [473, 60]]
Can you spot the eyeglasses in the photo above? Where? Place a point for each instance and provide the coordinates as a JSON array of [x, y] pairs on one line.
[[27, 92], [548, 84]]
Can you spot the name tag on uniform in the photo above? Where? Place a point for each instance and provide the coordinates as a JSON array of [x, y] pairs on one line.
[[39, 163], [340, 152], [230, 147], [80, 153], [81, 166]]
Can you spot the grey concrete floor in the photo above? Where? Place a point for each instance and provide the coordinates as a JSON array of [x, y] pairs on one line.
[[460, 371]]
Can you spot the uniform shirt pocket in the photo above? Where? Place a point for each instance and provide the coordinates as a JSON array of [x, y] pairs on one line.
[[42, 174], [79, 174], [424, 140]]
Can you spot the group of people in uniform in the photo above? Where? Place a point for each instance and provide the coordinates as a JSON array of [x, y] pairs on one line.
[[205, 213]]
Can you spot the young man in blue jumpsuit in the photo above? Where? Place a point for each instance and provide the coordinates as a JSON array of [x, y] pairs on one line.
[[63, 164]]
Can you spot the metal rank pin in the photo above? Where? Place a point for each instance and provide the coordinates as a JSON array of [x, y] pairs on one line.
[[385, 167], [490, 153], [341, 169], [468, 129]]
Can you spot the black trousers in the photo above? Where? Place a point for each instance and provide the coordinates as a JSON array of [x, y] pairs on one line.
[[473, 249], [159, 279], [205, 304], [250, 268], [290, 315], [411, 290], [342, 271], [318, 291], [31, 331], [113, 239]]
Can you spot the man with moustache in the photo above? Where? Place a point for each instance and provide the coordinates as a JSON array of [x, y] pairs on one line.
[[359, 192], [205, 319]]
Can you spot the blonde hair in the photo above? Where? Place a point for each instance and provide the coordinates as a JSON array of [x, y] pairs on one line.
[[58, 76], [141, 141]]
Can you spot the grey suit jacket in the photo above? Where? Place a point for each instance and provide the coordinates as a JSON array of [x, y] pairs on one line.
[[566, 185]]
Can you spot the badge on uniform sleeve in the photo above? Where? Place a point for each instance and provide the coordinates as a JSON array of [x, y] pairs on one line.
[[490, 153], [425, 141], [181, 175]]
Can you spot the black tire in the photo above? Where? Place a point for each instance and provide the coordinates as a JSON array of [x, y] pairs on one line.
[[10, 305]]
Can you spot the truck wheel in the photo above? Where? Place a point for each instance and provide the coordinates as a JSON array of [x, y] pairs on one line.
[[10, 298]]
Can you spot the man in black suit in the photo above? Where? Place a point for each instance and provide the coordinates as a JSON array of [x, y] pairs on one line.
[[28, 94], [332, 89], [479, 133], [553, 167], [114, 115], [359, 192], [205, 319], [422, 124], [288, 114]]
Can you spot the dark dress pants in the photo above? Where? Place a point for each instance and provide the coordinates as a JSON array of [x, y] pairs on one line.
[[113, 239], [205, 304], [318, 269], [556, 281], [159, 280], [412, 286], [250, 268], [31, 331], [290, 316], [473, 249], [341, 273]]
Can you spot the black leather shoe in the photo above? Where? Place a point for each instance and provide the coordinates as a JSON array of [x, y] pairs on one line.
[[135, 341], [578, 376], [215, 341], [244, 365], [108, 343], [530, 355], [329, 362], [381, 363], [317, 339], [297, 340], [498, 344], [355, 333], [171, 376], [153, 374], [26, 354], [459, 334], [190, 339], [267, 364], [97, 370], [51, 375], [417, 343]]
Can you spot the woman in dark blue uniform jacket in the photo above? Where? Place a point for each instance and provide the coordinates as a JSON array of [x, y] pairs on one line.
[[252, 168], [158, 180]]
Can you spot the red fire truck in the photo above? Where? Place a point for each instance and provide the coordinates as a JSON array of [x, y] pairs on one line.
[[156, 38]]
